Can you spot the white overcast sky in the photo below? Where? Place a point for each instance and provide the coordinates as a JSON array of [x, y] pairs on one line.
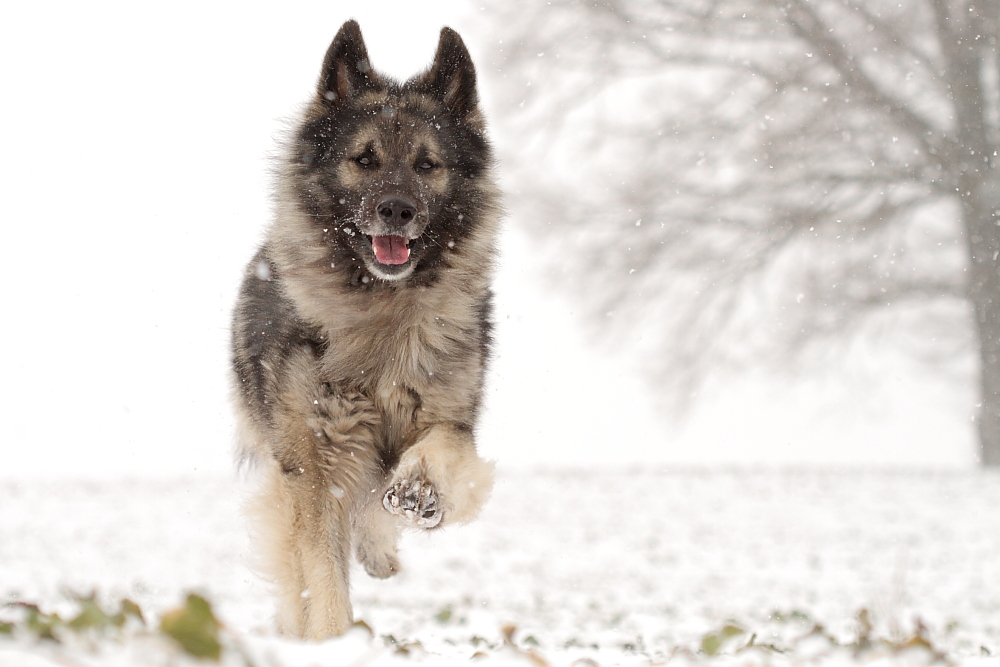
[[134, 144]]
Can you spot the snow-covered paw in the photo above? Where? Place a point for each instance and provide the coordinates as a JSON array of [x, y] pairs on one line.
[[414, 501]]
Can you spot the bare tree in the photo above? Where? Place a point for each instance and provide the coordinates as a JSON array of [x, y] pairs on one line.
[[758, 177]]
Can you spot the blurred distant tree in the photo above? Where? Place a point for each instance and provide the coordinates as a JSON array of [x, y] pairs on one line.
[[750, 178]]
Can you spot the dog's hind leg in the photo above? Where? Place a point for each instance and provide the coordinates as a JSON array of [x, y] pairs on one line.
[[376, 533]]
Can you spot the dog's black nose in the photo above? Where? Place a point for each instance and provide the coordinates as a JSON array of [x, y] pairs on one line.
[[396, 210]]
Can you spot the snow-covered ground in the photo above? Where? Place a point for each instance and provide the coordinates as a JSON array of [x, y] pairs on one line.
[[117, 366], [618, 567]]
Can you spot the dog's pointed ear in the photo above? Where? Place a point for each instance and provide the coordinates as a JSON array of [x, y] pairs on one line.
[[452, 77], [346, 68]]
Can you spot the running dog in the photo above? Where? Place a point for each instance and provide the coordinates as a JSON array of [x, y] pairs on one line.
[[362, 329]]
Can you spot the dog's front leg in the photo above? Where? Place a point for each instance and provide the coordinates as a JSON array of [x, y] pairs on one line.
[[307, 546], [440, 479], [325, 459]]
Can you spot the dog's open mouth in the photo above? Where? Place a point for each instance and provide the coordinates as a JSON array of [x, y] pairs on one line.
[[391, 249]]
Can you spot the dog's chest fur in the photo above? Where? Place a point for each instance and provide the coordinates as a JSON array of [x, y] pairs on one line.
[[412, 351]]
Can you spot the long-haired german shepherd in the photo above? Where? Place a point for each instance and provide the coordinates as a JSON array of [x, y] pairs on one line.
[[362, 329]]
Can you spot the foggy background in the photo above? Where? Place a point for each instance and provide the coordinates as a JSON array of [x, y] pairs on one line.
[[136, 153]]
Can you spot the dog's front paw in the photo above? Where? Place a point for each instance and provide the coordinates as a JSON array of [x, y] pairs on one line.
[[414, 501]]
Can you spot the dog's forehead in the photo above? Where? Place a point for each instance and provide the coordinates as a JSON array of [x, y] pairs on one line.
[[415, 101], [395, 128]]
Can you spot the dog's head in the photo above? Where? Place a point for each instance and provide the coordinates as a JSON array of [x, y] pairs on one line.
[[389, 171]]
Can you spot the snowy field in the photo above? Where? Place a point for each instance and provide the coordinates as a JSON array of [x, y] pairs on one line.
[[636, 567], [174, 111]]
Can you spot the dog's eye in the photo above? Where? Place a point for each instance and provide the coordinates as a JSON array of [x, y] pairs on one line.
[[425, 165], [364, 160]]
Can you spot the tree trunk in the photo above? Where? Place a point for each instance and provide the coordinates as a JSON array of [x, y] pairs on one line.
[[971, 162], [984, 294]]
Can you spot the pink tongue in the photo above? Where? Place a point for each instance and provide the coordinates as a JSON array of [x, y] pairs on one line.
[[390, 249]]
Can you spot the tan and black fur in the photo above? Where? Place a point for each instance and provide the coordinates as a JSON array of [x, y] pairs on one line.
[[358, 383]]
